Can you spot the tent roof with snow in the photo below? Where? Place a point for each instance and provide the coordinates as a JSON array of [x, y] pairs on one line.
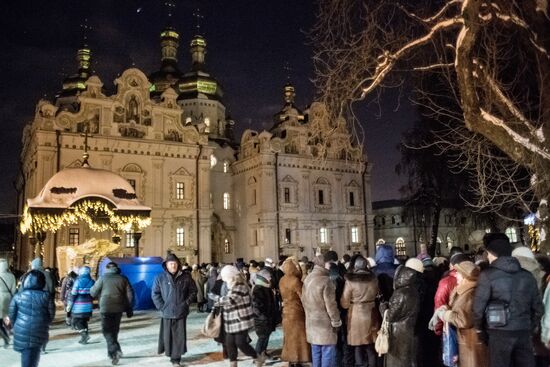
[[101, 198]]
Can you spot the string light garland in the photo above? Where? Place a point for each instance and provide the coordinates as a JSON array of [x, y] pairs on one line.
[[99, 216]]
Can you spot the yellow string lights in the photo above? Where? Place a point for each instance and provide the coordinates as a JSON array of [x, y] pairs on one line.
[[99, 216]]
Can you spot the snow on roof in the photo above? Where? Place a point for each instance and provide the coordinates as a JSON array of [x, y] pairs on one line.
[[73, 184]]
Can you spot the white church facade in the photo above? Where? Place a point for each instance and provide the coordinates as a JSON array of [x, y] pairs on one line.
[[297, 187]]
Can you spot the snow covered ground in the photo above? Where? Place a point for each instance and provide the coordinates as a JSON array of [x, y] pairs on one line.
[[138, 339]]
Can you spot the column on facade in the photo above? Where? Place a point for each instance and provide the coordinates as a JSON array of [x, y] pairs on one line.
[[205, 212]]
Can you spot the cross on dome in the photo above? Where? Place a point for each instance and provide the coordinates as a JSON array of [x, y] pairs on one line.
[[198, 17]]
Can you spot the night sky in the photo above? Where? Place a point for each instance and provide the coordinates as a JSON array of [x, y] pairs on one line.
[[249, 43]]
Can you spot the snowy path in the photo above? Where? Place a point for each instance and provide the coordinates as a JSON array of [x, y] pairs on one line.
[[138, 339]]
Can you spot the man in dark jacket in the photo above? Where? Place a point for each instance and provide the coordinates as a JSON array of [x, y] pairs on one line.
[[115, 296], [172, 293], [30, 313], [506, 286]]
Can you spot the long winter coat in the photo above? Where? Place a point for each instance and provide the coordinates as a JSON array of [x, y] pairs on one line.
[[199, 280], [265, 309], [472, 352], [172, 294], [7, 287], [505, 281], [322, 314], [114, 292], [80, 301], [359, 296], [385, 270], [31, 312], [238, 314], [296, 349], [402, 314]]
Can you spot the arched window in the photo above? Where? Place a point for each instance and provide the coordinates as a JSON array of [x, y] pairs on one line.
[[226, 246], [225, 166], [400, 247]]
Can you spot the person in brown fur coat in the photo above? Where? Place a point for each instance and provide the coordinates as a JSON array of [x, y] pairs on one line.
[[296, 349]]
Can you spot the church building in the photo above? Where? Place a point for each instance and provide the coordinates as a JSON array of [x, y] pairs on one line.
[[301, 186]]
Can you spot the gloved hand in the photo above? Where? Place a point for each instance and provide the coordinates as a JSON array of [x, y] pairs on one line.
[[440, 312], [213, 297]]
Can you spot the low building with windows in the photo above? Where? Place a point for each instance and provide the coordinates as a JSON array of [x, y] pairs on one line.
[[302, 185], [407, 228]]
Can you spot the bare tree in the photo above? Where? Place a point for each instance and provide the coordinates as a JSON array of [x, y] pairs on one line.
[[495, 55]]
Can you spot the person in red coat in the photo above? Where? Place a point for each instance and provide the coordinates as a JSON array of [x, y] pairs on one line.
[[447, 284]]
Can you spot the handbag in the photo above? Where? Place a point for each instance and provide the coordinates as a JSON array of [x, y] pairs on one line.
[[450, 346], [382, 343], [212, 325], [496, 314]]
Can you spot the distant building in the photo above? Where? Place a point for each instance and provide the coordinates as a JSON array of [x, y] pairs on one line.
[[301, 185], [409, 229]]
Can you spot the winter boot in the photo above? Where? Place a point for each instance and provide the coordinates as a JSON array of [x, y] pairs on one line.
[[260, 360], [84, 337], [233, 364]]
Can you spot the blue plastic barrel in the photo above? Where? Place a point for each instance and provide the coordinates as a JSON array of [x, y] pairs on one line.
[[141, 272]]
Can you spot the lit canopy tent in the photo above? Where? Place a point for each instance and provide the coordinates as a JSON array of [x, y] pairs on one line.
[[100, 198]]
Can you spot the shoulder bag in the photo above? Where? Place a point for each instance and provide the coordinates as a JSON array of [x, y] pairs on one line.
[[212, 325]]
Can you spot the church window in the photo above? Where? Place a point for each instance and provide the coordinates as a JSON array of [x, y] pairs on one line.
[[323, 235], [400, 248], [512, 234], [288, 238], [287, 195], [130, 239], [354, 234], [213, 161], [207, 123], [255, 237], [225, 166], [351, 198], [74, 236], [226, 246], [253, 197], [180, 190], [180, 236], [321, 197], [226, 200], [132, 183]]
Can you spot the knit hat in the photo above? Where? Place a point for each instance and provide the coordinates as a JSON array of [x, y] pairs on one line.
[[498, 244], [36, 264], [330, 256], [371, 262], [268, 262], [467, 269], [263, 275], [229, 272], [415, 264], [523, 251]]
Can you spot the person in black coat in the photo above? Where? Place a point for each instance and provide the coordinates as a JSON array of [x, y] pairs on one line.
[[66, 287], [265, 310], [173, 291], [505, 285], [30, 313], [402, 314]]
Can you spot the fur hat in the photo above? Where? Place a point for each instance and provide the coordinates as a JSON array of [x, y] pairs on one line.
[[467, 269], [229, 272], [415, 264], [497, 244], [523, 251]]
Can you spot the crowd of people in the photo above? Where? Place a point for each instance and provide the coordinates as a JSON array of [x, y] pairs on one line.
[[466, 310]]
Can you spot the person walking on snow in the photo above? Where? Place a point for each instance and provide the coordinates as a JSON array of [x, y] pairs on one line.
[[173, 292], [31, 312], [80, 303], [265, 310], [115, 296], [8, 286]]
